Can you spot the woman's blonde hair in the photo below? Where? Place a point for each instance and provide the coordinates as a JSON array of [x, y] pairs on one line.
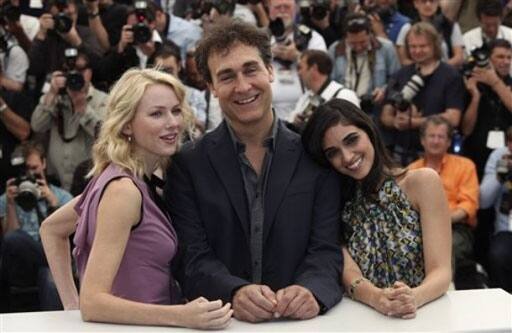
[[112, 146]]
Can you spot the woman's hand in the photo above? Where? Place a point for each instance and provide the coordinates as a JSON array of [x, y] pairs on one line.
[[203, 314], [397, 301]]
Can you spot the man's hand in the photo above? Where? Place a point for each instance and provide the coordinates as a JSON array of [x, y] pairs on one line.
[[46, 193], [471, 86], [487, 75], [72, 36], [57, 82], [46, 22], [378, 95], [11, 191], [296, 302], [403, 120], [254, 303], [377, 25], [126, 38], [286, 52]]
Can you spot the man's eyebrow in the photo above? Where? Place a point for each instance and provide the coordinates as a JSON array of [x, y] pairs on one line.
[[230, 70]]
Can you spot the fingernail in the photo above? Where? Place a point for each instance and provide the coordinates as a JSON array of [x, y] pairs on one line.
[[277, 315]]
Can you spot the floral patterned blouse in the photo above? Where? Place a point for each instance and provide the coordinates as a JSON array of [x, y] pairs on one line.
[[384, 236]]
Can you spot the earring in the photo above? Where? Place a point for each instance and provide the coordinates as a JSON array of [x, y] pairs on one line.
[[130, 138]]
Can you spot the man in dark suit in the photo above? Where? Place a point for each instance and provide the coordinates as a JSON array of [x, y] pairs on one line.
[[257, 220]]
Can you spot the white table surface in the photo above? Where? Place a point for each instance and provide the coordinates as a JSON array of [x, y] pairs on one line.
[[485, 310]]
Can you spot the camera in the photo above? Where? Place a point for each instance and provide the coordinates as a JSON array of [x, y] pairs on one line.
[[28, 188], [316, 9], [63, 23], [252, 2], [74, 79], [402, 99], [141, 32], [301, 34], [479, 57], [366, 103], [9, 12], [4, 46], [502, 169], [277, 30]]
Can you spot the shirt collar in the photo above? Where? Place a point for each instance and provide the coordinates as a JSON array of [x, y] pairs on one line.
[[269, 141]]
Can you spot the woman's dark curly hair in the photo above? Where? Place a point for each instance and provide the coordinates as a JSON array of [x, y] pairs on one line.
[[338, 111]]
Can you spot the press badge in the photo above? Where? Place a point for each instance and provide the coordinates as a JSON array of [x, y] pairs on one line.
[[495, 139]]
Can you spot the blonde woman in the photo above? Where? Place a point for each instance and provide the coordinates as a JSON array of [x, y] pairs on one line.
[[124, 240]]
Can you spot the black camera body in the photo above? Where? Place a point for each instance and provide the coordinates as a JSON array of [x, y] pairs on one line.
[[503, 171], [252, 2], [63, 23], [316, 9], [141, 31], [28, 191], [74, 79], [366, 103], [479, 57], [402, 99], [26, 181], [9, 12]]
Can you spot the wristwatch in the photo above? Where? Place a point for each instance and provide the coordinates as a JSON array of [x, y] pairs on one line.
[[93, 15], [3, 107]]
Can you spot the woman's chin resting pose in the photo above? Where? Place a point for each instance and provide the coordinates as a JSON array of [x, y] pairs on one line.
[[396, 223]]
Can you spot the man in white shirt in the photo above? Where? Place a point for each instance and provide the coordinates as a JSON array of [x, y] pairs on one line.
[[286, 85], [314, 69], [489, 13]]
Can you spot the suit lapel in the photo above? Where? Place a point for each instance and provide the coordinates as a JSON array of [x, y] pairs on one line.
[[284, 163], [225, 163]]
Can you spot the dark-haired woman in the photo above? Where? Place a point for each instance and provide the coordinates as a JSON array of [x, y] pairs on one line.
[[397, 247]]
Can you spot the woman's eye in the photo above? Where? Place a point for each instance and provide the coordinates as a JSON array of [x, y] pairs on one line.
[[176, 111], [330, 154]]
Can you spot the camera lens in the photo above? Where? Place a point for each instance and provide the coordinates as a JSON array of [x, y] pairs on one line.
[[141, 33], [75, 80], [63, 23]]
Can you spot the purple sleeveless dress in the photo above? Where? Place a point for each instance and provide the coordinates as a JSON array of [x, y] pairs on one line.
[[144, 274]]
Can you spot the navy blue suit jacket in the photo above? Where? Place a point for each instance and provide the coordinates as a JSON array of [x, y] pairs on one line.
[[208, 206]]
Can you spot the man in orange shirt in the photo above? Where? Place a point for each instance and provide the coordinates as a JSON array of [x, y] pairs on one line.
[[460, 182]]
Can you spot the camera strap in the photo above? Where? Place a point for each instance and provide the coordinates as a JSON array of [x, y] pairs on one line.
[[60, 120]]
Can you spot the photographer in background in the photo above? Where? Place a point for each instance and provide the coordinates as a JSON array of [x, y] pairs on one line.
[[106, 19], [386, 20], [489, 111], [27, 201], [362, 62], [460, 184], [70, 114], [58, 30], [314, 68], [288, 41], [137, 44], [490, 15], [14, 128], [426, 87], [23, 27], [496, 190], [13, 61], [317, 15]]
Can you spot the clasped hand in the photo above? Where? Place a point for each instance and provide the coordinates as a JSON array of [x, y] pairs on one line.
[[397, 301], [256, 303]]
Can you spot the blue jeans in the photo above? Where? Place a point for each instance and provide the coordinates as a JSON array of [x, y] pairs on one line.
[[23, 264]]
